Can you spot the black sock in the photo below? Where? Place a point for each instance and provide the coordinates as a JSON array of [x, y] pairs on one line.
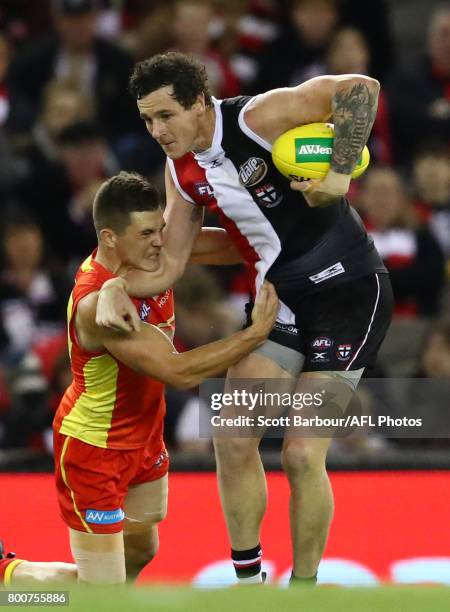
[[247, 563], [297, 580]]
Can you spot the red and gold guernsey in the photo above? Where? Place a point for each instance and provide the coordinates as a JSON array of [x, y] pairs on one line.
[[108, 404]]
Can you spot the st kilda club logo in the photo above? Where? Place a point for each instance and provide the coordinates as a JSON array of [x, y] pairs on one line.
[[251, 173]]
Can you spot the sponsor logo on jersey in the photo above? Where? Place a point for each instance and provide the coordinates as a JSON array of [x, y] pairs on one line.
[[343, 351], [320, 357], [324, 275], [287, 328], [144, 311], [162, 300], [104, 517], [252, 171], [268, 196], [204, 190], [322, 343]]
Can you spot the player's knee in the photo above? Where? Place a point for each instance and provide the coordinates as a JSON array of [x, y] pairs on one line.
[[300, 460], [234, 453], [138, 558]]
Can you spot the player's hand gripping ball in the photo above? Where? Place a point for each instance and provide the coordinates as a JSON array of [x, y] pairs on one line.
[[305, 152]]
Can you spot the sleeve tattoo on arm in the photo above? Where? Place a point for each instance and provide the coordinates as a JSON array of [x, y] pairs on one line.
[[354, 112]]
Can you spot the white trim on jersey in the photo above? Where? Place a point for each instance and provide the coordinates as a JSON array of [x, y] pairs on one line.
[[285, 314], [181, 191], [250, 133], [238, 205], [370, 324]]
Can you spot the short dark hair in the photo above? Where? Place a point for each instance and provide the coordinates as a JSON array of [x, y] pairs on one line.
[[186, 75], [121, 195], [80, 133]]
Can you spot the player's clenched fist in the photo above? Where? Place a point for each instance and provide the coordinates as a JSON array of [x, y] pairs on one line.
[[115, 310]]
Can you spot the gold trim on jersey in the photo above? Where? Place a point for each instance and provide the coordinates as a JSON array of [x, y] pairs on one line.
[[90, 418], [86, 265], [69, 318], [64, 477]]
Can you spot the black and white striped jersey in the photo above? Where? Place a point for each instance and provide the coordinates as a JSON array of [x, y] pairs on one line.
[[299, 249]]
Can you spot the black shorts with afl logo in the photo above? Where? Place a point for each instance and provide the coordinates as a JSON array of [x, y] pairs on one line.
[[340, 328]]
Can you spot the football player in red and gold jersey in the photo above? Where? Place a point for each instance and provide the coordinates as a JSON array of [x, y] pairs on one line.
[[110, 460]]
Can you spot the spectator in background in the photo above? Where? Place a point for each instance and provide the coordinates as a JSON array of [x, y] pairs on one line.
[[372, 19], [22, 19], [64, 206], [250, 27], [431, 181], [420, 94], [11, 169], [298, 52], [75, 53], [406, 245], [435, 356], [33, 298], [191, 30], [33, 295], [428, 399], [63, 105]]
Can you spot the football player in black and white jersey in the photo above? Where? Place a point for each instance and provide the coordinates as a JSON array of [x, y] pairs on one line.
[[335, 294]]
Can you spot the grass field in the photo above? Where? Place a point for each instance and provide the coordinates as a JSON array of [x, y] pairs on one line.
[[261, 599]]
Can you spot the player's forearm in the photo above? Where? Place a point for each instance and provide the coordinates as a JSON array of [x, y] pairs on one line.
[[191, 368], [354, 106], [214, 247], [139, 283]]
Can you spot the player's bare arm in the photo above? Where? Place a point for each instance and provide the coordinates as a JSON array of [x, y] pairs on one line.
[[214, 247], [183, 225], [149, 351], [350, 101]]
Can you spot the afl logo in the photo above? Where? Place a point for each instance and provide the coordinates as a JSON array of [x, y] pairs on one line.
[[252, 171]]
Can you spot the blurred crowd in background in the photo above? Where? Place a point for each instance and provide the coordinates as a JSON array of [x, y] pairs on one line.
[[67, 122]]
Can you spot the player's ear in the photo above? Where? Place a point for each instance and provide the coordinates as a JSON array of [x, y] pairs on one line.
[[200, 103], [108, 237]]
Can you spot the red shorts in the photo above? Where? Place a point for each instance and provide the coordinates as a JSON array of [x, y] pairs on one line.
[[92, 482]]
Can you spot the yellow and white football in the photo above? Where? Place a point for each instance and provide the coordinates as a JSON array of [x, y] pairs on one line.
[[305, 152]]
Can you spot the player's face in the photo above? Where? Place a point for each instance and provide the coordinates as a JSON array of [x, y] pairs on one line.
[[139, 246], [173, 127]]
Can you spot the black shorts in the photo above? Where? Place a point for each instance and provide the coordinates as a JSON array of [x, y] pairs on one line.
[[340, 328]]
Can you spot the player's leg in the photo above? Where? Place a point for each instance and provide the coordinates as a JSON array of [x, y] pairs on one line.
[[338, 343], [100, 557], [304, 462], [145, 506], [241, 478], [19, 572], [91, 485]]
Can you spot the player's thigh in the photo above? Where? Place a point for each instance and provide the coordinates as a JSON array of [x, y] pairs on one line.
[[234, 446], [325, 395], [145, 505], [100, 558]]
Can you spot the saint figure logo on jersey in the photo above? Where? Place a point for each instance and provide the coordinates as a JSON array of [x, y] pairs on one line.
[[252, 171]]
